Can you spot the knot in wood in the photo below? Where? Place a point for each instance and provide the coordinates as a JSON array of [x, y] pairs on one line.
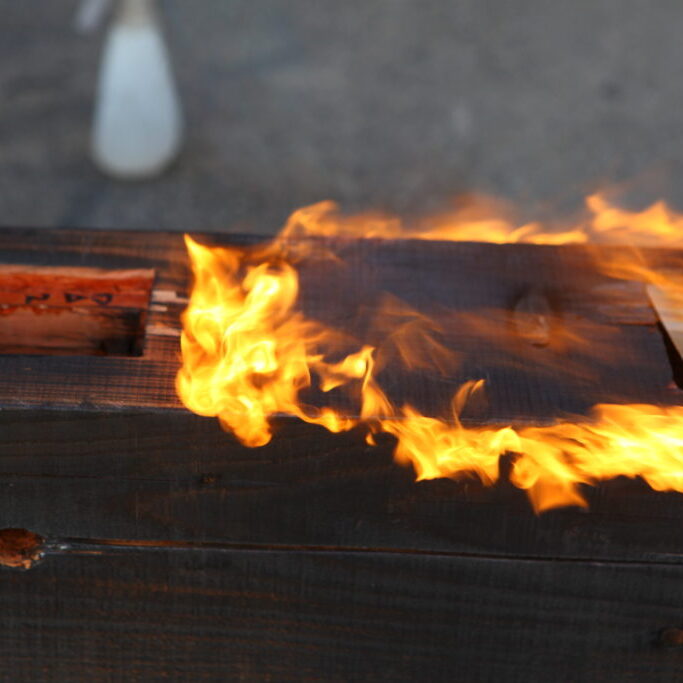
[[19, 548], [671, 637]]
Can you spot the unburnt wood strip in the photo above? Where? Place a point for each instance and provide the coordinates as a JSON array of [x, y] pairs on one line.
[[149, 476], [73, 310], [212, 615], [74, 287]]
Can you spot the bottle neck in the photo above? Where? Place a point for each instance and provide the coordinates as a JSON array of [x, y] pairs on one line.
[[136, 12]]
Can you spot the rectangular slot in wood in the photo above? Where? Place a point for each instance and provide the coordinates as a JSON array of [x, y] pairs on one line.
[[73, 311]]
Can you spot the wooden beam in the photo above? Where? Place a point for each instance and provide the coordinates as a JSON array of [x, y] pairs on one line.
[[89, 467], [604, 345], [145, 476], [173, 552], [97, 612]]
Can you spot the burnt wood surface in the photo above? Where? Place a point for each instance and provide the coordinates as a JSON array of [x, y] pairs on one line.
[[174, 553], [144, 476], [477, 292], [97, 612]]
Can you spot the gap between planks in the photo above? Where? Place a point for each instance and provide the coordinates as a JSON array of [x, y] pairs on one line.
[[109, 546]]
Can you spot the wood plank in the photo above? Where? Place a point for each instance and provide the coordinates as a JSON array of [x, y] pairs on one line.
[[76, 311], [102, 613], [145, 476], [316, 556], [172, 476], [476, 291], [669, 309], [74, 287]]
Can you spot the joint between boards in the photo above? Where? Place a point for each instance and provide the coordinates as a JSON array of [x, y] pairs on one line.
[[112, 546]]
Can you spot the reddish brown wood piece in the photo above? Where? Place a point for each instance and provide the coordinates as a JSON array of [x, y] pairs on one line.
[[71, 310], [74, 287]]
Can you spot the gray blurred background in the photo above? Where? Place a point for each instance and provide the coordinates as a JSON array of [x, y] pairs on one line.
[[392, 104]]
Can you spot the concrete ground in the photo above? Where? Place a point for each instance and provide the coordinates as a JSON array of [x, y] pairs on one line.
[[398, 104]]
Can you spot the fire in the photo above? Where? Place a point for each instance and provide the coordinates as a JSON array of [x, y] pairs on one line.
[[482, 219], [249, 354], [656, 225], [479, 220]]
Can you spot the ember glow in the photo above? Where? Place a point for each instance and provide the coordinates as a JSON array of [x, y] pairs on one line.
[[249, 353]]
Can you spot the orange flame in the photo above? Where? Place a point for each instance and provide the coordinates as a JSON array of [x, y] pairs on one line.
[[248, 354]]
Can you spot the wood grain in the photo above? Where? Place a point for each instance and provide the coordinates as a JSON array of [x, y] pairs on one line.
[[100, 613], [99, 470], [174, 553], [76, 311], [145, 476], [605, 344]]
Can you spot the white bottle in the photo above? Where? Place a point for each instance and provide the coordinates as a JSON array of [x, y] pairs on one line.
[[137, 128]]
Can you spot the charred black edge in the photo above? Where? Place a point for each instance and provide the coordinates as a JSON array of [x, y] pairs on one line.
[[675, 360]]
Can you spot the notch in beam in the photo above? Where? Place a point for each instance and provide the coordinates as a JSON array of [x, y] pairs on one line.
[[73, 311]]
